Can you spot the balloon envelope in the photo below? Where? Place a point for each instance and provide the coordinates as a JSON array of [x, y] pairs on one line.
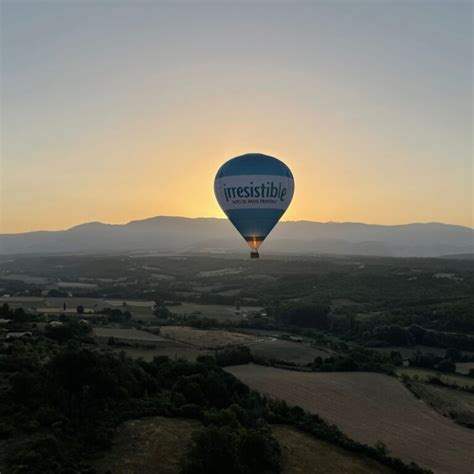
[[254, 191]]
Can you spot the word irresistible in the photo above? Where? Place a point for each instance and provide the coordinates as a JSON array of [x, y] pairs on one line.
[[270, 190]]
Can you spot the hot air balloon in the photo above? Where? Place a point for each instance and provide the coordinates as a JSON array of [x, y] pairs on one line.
[[254, 191]]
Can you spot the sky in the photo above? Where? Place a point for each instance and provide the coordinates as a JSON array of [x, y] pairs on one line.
[[114, 111]]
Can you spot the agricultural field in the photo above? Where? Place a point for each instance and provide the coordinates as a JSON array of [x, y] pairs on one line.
[[219, 273], [455, 404], [156, 445], [207, 339], [214, 311], [129, 334], [426, 374], [303, 453], [370, 407], [132, 303], [262, 346], [288, 351], [53, 305], [408, 351], [464, 367], [173, 350]]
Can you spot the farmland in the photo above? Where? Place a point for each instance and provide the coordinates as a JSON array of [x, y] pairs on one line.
[[425, 374], [321, 314], [371, 407], [214, 311], [67, 305], [464, 367], [287, 351], [207, 338], [157, 445], [146, 345], [455, 404], [127, 334], [301, 453], [169, 349], [407, 352]]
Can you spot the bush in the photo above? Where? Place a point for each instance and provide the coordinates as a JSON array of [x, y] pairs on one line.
[[446, 365], [223, 449]]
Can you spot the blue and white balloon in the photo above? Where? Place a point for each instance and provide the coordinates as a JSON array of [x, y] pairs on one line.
[[254, 191]]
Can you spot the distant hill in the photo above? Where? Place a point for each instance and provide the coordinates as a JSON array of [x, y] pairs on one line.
[[180, 234]]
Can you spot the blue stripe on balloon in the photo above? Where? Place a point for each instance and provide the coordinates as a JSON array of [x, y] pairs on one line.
[[254, 222], [254, 164]]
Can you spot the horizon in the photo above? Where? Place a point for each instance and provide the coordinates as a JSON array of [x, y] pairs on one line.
[[288, 221], [118, 110]]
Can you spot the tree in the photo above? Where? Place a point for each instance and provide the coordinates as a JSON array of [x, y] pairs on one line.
[[80, 309], [394, 335], [446, 365], [162, 312], [213, 451], [318, 361], [19, 315], [5, 310], [307, 316], [57, 293], [232, 450], [381, 447], [396, 358], [454, 355], [417, 333]]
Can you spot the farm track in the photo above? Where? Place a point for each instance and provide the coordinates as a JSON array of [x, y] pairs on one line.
[[370, 407]]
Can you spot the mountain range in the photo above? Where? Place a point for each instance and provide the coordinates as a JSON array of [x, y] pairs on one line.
[[190, 235]]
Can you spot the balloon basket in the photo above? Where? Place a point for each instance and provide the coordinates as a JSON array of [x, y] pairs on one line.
[[254, 254]]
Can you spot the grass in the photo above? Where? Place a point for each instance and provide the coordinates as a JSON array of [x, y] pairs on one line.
[[371, 407], [148, 446], [301, 453]]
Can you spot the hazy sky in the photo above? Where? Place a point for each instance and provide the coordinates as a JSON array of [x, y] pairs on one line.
[[115, 111]]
